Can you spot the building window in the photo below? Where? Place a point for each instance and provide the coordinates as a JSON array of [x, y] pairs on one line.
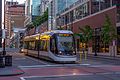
[[98, 5], [79, 12], [104, 4], [118, 41], [116, 2], [95, 6], [98, 45], [82, 11]]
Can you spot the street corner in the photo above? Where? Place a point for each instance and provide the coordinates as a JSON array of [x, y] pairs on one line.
[[11, 71]]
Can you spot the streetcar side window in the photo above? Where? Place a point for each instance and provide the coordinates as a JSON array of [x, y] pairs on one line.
[[43, 45], [36, 45], [32, 45], [52, 45], [25, 45]]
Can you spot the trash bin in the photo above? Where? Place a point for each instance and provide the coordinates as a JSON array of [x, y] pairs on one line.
[[2, 65], [8, 60]]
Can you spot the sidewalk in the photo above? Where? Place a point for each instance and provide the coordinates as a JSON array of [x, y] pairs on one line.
[[10, 71], [99, 56], [104, 57]]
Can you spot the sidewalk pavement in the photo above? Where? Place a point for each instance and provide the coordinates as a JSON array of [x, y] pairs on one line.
[[10, 71], [99, 56], [104, 57]]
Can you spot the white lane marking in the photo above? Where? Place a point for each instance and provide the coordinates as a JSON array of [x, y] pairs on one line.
[[19, 58], [22, 78], [84, 64], [77, 64], [52, 76], [39, 66], [59, 65]]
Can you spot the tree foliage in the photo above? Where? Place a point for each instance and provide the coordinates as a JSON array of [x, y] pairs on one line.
[[86, 34], [60, 28], [108, 31], [41, 19]]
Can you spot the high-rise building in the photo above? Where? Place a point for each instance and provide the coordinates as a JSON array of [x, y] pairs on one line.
[[63, 4], [44, 5], [55, 8], [93, 13], [1, 23], [32, 10], [14, 18], [35, 7]]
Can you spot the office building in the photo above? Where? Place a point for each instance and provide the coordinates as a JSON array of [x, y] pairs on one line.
[[56, 7], [92, 13], [1, 23]]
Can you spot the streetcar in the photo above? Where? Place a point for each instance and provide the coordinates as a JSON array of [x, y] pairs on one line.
[[56, 45]]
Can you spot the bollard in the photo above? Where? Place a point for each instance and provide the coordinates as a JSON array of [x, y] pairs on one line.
[[80, 56], [2, 65], [8, 60], [85, 55]]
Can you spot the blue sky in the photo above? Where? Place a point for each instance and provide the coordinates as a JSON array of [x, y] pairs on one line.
[[20, 1]]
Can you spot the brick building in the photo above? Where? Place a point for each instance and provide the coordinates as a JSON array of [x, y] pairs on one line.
[[14, 18], [92, 13]]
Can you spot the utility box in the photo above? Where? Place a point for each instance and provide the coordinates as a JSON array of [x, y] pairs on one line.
[[8, 60], [2, 64]]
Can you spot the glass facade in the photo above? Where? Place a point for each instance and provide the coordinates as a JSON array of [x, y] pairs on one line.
[[98, 5], [63, 4], [86, 9], [77, 13], [35, 7], [83, 10], [98, 45]]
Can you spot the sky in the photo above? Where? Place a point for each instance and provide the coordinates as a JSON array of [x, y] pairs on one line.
[[20, 1]]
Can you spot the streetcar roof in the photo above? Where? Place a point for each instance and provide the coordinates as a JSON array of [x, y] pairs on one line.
[[50, 33], [57, 31]]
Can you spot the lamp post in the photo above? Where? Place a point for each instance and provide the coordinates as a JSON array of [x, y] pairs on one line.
[[60, 21], [4, 51], [95, 47]]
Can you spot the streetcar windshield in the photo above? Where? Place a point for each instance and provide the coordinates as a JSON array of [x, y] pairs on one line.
[[65, 43]]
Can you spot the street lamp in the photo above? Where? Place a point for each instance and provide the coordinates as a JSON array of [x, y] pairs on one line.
[[95, 47], [4, 51], [60, 21]]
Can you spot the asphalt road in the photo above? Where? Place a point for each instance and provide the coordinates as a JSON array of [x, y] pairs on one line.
[[90, 69]]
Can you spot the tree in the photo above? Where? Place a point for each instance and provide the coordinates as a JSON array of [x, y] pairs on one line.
[[41, 19], [60, 28], [108, 32], [85, 35]]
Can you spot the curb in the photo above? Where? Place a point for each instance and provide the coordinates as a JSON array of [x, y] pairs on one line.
[[105, 57], [12, 74]]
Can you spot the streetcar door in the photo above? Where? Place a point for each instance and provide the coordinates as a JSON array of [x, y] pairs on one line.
[[53, 47]]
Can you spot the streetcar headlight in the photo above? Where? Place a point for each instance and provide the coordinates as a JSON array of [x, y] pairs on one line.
[[74, 52], [60, 52], [22, 50]]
